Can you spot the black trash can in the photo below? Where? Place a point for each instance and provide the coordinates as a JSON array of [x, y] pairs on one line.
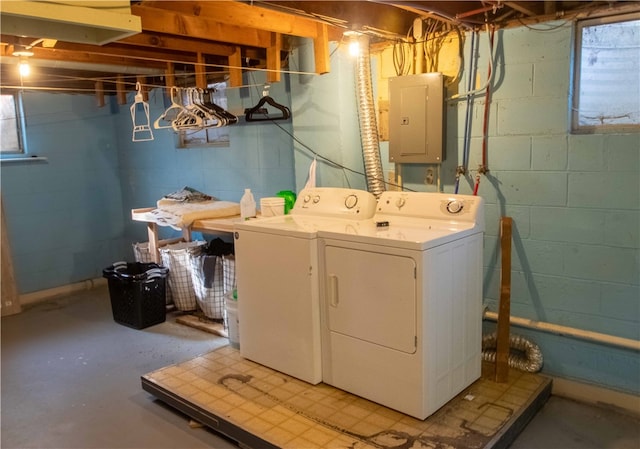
[[137, 291]]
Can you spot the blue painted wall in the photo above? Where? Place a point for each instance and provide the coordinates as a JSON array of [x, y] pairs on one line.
[[259, 157], [64, 217], [70, 217], [575, 199]]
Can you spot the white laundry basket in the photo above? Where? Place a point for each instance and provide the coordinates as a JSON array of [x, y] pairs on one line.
[[176, 258]]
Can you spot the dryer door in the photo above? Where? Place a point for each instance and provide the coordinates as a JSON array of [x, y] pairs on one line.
[[372, 297]]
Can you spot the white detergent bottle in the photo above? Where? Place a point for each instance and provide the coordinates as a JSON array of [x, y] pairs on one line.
[[247, 205]]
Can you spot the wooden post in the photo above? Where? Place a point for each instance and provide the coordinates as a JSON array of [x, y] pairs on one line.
[[201, 75], [273, 58], [321, 49], [121, 90], [100, 93], [170, 75], [504, 314], [9, 291], [235, 69]]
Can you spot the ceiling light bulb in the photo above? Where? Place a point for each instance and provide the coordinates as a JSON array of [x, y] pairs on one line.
[[354, 46], [23, 67]]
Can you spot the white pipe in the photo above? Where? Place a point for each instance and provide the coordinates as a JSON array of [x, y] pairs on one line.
[[557, 329]]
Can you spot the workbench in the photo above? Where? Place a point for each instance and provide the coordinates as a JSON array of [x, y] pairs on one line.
[[210, 225]]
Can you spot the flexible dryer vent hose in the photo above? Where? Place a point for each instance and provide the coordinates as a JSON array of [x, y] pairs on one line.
[[524, 355], [368, 124]]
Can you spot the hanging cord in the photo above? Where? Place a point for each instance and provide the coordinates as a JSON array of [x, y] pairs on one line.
[[461, 170]]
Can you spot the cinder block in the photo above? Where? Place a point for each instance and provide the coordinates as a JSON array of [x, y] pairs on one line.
[[622, 228], [622, 152], [603, 190], [563, 224], [586, 152], [509, 152], [552, 44], [621, 301], [534, 256], [551, 78], [602, 263], [532, 116], [566, 294], [549, 152], [533, 188], [517, 81]]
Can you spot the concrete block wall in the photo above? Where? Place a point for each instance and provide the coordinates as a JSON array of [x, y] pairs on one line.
[[64, 216], [573, 198], [575, 202]]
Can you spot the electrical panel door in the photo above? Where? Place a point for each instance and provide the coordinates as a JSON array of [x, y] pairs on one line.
[[416, 119]]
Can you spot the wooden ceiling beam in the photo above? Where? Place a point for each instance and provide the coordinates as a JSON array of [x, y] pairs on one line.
[[178, 44], [273, 58], [91, 58], [520, 7], [169, 22], [243, 15]]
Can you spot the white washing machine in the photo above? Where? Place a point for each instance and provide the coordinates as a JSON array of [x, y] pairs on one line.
[[277, 279], [401, 301]]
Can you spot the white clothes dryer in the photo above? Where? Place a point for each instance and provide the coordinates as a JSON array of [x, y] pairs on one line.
[[277, 279], [401, 301]]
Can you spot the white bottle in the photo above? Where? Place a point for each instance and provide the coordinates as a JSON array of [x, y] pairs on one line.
[[247, 205]]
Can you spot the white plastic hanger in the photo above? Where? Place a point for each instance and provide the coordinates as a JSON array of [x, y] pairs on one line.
[[141, 127]]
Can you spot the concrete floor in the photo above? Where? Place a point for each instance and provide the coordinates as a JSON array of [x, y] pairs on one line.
[[71, 379]]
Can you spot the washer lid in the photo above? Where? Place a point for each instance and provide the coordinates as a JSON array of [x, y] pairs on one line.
[[300, 226], [400, 232]]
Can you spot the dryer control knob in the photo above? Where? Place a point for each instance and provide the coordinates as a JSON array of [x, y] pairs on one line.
[[351, 201], [455, 206], [306, 198], [316, 199], [400, 202]]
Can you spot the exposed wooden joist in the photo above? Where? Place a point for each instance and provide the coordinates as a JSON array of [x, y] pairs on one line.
[[100, 94], [170, 75], [235, 72], [273, 58], [121, 90], [518, 6], [173, 43], [163, 21], [200, 69], [244, 15], [321, 50]]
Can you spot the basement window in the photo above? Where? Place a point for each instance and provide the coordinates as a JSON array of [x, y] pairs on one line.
[[11, 120], [606, 90], [208, 137]]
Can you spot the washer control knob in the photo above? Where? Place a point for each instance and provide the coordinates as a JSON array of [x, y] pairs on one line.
[[306, 198], [351, 201], [316, 199], [400, 202], [455, 206]]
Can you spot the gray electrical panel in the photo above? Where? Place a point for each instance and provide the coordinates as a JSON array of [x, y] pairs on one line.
[[416, 119]]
